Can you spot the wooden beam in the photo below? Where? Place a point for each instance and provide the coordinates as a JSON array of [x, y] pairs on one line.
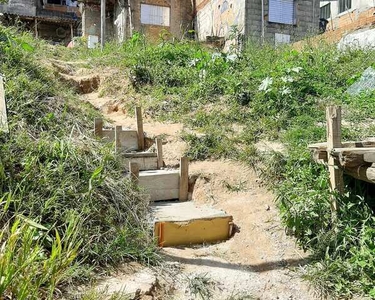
[[118, 130], [141, 135], [98, 127], [319, 150], [333, 115], [134, 172], [140, 154], [184, 179], [354, 157], [159, 151], [349, 144], [3, 108]]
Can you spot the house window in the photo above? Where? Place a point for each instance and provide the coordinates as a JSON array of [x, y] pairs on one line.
[[155, 15], [325, 11], [282, 11], [344, 5]]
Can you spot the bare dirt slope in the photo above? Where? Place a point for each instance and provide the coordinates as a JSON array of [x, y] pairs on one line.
[[259, 262]]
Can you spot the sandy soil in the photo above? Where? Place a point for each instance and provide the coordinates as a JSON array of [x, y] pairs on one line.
[[258, 262]]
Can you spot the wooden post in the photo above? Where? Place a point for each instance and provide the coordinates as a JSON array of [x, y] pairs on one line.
[[36, 28], [118, 130], [71, 32], [102, 23], [98, 127], [134, 171], [141, 135], [3, 108], [184, 179], [333, 115], [159, 151]]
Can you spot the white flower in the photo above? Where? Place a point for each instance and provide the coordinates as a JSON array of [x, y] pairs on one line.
[[287, 79], [193, 62], [296, 69], [285, 91], [202, 74], [232, 57], [265, 84]]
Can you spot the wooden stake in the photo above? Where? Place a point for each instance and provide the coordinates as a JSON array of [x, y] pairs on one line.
[[141, 136], [102, 23], [333, 115], [184, 179], [36, 28], [71, 32], [159, 151], [3, 108], [118, 130], [98, 127], [134, 171]]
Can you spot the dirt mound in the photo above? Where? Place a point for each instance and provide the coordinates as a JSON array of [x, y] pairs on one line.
[[82, 84]]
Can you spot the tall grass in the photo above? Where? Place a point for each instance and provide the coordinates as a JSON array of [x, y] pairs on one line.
[[264, 93], [69, 208]]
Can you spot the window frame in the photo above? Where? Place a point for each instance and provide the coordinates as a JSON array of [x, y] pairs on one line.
[[278, 21], [326, 7], [148, 22], [344, 5]]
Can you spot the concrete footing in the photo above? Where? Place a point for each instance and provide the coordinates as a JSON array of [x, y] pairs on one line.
[[184, 223]]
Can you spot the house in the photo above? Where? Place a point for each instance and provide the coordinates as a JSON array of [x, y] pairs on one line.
[[150, 17], [54, 20], [347, 15], [275, 21]]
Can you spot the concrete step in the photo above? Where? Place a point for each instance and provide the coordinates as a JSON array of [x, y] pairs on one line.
[[145, 160], [160, 184], [184, 223]]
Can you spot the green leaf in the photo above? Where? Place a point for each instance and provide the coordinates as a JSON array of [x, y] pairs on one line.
[[27, 47], [34, 224]]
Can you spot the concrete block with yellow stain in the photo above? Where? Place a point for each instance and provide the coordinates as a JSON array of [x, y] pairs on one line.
[[184, 223]]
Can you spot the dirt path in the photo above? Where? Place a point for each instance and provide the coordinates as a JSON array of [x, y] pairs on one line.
[[259, 262]]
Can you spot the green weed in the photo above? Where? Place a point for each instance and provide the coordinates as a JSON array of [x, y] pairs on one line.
[[69, 208]]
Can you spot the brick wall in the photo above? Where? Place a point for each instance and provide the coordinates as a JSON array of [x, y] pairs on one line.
[[307, 21]]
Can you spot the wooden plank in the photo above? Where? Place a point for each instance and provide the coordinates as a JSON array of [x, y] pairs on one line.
[[362, 173], [333, 115], [140, 154], [134, 172], [184, 179], [159, 151], [3, 108], [160, 184], [141, 136], [349, 144], [98, 127], [118, 147], [144, 163], [354, 157], [198, 231]]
